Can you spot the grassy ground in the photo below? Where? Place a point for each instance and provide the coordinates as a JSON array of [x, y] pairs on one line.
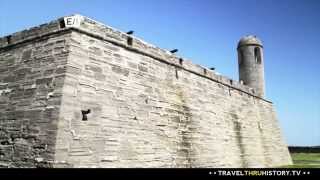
[[305, 160]]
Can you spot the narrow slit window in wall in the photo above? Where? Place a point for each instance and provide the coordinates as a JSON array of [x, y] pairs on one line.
[[257, 55], [241, 58]]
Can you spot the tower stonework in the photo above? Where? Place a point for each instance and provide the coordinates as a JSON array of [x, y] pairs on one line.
[[251, 63], [77, 93]]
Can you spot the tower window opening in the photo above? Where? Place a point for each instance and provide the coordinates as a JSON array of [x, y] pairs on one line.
[[257, 55], [241, 58]]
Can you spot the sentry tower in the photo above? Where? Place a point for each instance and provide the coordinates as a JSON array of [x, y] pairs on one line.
[[250, 59]]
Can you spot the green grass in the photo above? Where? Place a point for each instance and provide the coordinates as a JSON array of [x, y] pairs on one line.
[[305, 160]]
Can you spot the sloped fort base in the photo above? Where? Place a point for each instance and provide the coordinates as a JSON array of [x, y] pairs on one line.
[[144, 107]]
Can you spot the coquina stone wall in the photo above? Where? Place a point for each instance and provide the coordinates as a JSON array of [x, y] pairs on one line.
[[148, 107], [31, 81]]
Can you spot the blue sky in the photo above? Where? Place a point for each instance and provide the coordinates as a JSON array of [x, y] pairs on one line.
[[207, 31]]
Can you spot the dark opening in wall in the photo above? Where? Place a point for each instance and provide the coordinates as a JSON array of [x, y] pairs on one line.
[[257, 55], [62, 24], [84, 114], [130, 41], [6, 142], [241, 58], [181, 61], [9, 39], [205, 71]]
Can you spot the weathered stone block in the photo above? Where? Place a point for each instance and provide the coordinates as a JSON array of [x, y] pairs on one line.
[[120, 70], [44, 81], [26, 55]]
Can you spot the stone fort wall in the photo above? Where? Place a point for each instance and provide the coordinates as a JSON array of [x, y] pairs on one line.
[[148, 107]]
